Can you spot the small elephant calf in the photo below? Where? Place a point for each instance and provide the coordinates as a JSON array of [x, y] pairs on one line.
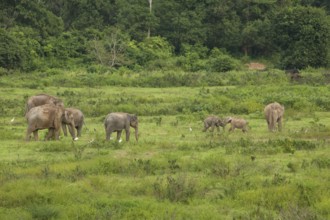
[[238, 123], [214, 121], [118, 121]]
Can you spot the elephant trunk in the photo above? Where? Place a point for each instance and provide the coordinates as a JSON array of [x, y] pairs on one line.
[[137, 133], [72, 131]]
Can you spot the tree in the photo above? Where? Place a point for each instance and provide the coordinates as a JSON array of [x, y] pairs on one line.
[[33, 14], [302, 36], [10, 52], [82, 14], [136, 18], [256, 39], [150, 12], [111, 49], [181, 22]]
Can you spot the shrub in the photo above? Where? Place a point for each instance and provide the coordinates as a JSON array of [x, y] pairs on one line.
[[178, 189], [44, 211], [221, 62]]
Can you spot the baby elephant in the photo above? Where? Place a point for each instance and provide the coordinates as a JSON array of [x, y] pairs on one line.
[[118, 121], [238, 123], [214, 121], [78, 118]]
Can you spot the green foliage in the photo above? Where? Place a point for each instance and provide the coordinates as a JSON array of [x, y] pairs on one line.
[[110, 48], [175, 189], [149, 51], [222, 62], [302, 35], [43, 211], [33, 14], [171, 35], [11, 54]]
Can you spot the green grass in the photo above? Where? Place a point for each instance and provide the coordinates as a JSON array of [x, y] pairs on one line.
[[172, 172]]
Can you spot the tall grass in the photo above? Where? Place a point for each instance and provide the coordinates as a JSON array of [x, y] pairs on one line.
[[175, 171]]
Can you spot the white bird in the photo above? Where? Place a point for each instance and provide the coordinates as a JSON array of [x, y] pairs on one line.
[[190, 129], [120, 140], [13, 119], [76, 138]]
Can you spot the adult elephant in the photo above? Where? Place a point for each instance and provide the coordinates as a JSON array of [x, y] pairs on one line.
[[49, 117], [78, 118], [118, 121], [274, 115], [42, 99]]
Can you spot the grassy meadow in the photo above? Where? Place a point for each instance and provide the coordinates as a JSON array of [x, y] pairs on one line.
[[175, 171]]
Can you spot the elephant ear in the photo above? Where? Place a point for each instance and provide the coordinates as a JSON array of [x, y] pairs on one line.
[[132, 118], [135, 118]]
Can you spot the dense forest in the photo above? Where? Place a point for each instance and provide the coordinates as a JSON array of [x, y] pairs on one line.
[[192, 35]]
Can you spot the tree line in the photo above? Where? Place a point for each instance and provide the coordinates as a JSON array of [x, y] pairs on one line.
[[211, 35]]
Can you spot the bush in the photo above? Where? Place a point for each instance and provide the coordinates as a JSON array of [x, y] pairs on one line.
[[178, 189], [221, 62]]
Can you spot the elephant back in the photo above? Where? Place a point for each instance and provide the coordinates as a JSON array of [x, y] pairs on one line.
[[42, 99]]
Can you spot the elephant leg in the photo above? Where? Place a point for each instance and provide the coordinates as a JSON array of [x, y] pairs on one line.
[[79, 128], [50, 134], [72, 131], [218, 129], [57, 134], [28, 133], [65, 132], [280, 124], [212, 127], [118, 135], [35, 134], [206, 126], [108, 134], [127, 134], [269, 125]]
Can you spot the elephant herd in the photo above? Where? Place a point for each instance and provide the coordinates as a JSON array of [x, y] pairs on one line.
[[273, 113], [48, 112]]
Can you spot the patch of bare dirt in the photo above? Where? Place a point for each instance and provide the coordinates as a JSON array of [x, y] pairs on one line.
[[256, 66]]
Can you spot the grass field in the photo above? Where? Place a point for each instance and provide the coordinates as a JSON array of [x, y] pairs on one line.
[[175, 171]]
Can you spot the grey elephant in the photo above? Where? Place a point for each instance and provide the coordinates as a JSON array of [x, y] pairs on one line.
[[238, 123], [49, 117], [214, 121], [118, 121], [274, 115], [78, 118], [42, 99]]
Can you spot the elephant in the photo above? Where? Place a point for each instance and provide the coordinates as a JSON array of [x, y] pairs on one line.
[[274, 114], [78, 118], [49, 117], [214, 121], [42, 99], [117, 121], [238, 123]]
